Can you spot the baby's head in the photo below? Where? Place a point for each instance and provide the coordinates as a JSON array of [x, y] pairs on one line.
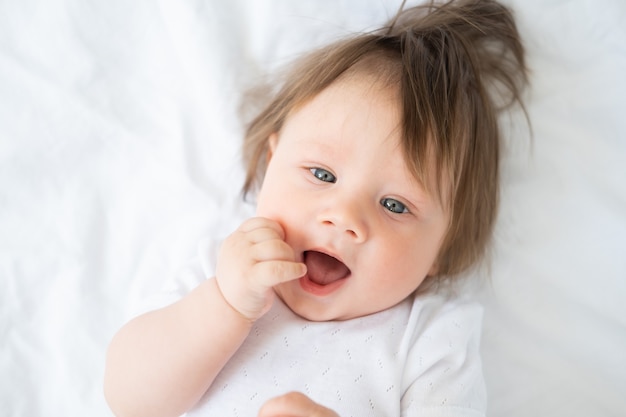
[[442, 66]]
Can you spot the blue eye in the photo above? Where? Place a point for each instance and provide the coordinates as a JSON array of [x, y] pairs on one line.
[[323, 175], [394, 206]]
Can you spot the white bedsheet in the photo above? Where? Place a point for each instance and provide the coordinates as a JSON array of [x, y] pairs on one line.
[[119, 148]]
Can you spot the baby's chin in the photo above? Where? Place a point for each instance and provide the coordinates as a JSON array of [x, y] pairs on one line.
[[316, 311], [304, 308]]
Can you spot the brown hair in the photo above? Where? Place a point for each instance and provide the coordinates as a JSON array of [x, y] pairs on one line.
[[457, 65]]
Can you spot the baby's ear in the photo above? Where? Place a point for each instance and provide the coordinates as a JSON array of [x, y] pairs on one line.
[[272, 142], [434, 269]]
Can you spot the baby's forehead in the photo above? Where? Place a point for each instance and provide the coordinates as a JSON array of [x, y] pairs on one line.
[[352, 98], [357, 83]]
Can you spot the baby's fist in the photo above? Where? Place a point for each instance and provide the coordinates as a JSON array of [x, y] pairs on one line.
[[294, 404], [251, 261]]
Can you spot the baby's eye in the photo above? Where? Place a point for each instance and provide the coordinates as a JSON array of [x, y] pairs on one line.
[[323, 175], [393, 205]]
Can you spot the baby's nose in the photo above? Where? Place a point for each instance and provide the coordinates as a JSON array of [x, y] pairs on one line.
[[347, 217]]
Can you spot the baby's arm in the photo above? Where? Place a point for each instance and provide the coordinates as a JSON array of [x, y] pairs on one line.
[[161, 363]]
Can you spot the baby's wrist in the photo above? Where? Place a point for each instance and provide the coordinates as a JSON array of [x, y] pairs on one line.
[[230, 306]]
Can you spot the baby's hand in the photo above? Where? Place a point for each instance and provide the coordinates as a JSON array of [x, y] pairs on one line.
[[251, 261], [294, 404]]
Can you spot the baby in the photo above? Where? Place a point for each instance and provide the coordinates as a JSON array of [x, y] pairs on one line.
[[377, 167]]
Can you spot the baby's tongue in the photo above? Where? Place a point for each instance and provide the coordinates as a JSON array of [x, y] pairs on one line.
[[323, 269]]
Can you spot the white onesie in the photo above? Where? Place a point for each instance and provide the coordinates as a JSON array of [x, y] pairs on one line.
[[419, 358]]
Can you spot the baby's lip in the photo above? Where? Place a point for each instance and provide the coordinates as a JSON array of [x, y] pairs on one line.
[[324, 268]]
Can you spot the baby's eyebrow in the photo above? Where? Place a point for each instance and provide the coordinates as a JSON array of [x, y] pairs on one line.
[[321, 145], [425, 196]]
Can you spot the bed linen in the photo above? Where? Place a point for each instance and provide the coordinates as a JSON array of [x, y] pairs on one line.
[[119, 149]]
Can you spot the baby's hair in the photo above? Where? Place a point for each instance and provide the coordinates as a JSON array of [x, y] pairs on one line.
[[456, 65]]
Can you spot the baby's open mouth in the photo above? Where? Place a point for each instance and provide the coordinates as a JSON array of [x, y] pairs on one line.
[[323, 269]]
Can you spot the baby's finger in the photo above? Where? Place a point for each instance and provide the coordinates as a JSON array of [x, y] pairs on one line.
[[263, 234], [261, 223], [273, 249], [275, 272]]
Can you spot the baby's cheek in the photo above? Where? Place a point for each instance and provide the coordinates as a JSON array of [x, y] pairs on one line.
[[271, 201], [267, 213], [264, 208]]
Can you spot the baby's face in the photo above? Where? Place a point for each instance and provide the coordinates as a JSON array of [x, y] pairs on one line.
[[352, 211]]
